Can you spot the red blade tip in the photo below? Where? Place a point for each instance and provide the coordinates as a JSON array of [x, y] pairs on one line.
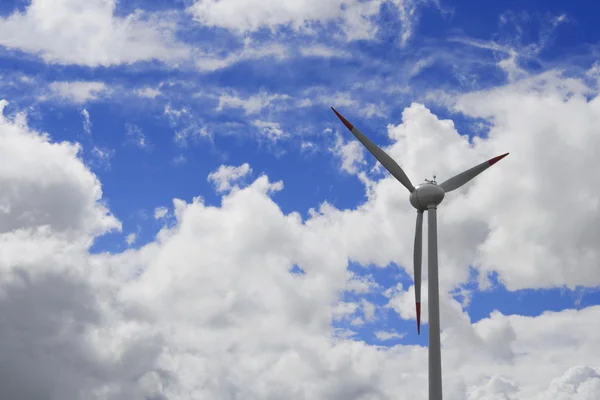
[[418, 306], [344, 120], [496, 159]]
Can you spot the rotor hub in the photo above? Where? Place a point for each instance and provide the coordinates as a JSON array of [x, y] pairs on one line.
[[426, 195]]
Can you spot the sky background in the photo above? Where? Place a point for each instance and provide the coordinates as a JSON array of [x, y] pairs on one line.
[[183, 217]]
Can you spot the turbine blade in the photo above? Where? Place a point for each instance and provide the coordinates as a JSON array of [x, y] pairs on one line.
[[417, 266], [379, 154], [458, 180]]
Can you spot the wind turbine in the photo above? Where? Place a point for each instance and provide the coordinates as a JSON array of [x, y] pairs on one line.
[[426, 196]]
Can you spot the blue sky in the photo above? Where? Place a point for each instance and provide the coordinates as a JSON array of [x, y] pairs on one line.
[[138, 181], [266, 103]]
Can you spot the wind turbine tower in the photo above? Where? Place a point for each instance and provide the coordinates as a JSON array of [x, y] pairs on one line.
[[425, 197]]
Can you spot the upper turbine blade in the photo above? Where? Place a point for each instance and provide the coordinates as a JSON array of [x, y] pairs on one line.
[[379, 154], [417, 266], [458, 180]]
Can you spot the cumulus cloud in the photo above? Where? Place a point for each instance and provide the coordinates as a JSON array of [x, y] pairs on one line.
[[222, 259], [580, 382], [37, 176], [351, 154], [545, 236], [226, 175], [211, 309], [53, 314], [557, 243], [87, 32], [55, 318]]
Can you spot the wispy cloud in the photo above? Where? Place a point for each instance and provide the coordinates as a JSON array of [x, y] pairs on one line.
[[211, 62], [131, 239], [135, 136], [102, 157], [186, 125], [160, 212], [87, 122], [324, 51], [269, 129], [148, 92], [385, 335], [345, 100], [78, 91], [252, 104], [353, 18], [179, 160]]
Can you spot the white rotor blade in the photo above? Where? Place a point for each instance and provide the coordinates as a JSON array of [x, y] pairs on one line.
[[379, 154], [417, 266], [458, 180]]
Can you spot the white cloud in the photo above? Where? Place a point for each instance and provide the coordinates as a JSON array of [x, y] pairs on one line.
[[594, 73], [212, 62], [308, 147], [218, 282], [102, 156], [209, 308], [160, 212], [47, 184], [385, 336], [136, 136], [304, 103], [341, 100], [186, 125], [272, 130], [180, 159], [78, 92], [148, 92], [545, 236], [131, 238], [221, 261], [351, 153], [580, 382], [87, 122], [407, 14], [249, 16], [87, 32], [343, 310], [319, 50], [368, 310], [226, 175], [250, 105], [497, 388], [361, 283]]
